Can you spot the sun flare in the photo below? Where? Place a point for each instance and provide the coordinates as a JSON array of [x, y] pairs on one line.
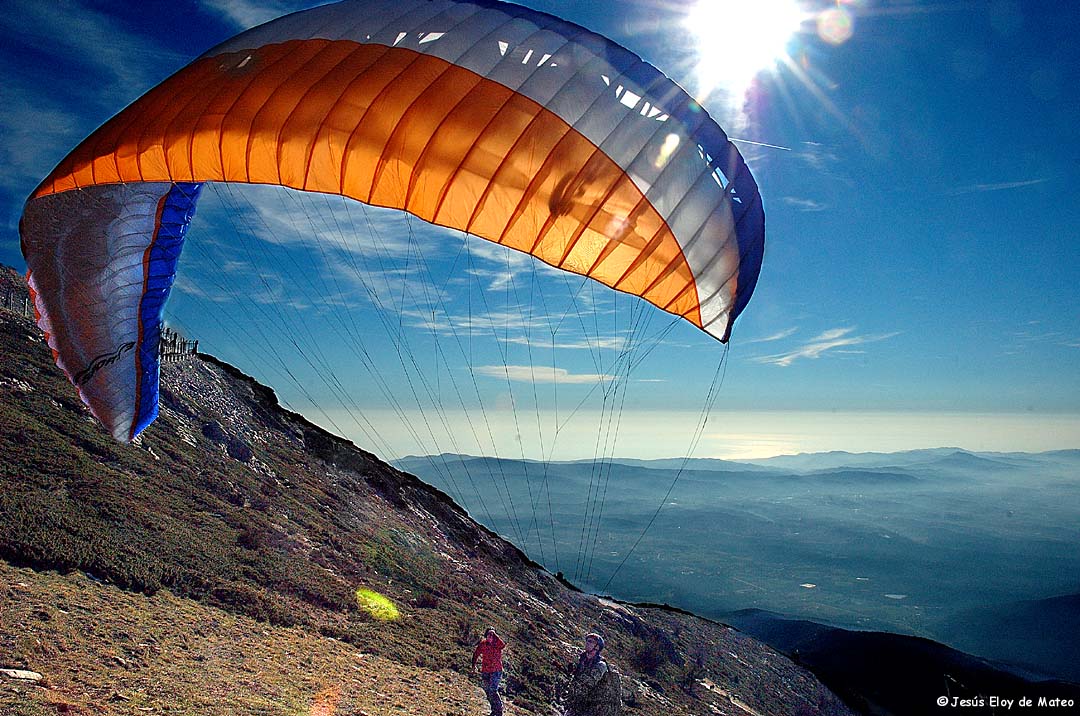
[[736, 40]]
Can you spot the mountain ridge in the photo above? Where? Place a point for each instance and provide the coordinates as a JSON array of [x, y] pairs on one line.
[[800, 462]]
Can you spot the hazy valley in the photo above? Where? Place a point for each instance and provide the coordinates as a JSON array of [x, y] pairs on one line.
[[977, 551]]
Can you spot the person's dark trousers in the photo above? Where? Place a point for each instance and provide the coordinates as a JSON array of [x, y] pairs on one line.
[[491, 688]]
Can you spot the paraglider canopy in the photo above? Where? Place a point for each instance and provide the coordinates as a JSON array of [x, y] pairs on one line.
[[506, 123]]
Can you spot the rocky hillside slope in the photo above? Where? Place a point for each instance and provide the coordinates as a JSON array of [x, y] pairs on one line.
[[238, 559]]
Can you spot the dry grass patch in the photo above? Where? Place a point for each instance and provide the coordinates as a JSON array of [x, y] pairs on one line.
[[102, 650]]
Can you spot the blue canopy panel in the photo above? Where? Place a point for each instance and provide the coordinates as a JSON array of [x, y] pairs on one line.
[[177, 209]]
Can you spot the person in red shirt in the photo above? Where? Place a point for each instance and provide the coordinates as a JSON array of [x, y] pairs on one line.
[[489, 653]]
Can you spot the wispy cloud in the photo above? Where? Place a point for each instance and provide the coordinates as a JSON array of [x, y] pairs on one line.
[[24, 157], [828, 170], [773, 337], [539, 374], [834, 340], [126, 62], [329, 247], [804, 204], [999, 186], [586, 343], [376, 243], [501, 266], [249, 13], [287, 217], [507, 325], [817, 156], [274, 245], [1035, 334], [45, 113], [515, 326], [250, 286]]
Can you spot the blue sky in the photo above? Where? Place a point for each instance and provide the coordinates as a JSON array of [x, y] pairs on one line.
[[919, 284]]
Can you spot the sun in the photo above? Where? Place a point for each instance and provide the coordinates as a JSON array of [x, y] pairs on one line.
[[737, 39]]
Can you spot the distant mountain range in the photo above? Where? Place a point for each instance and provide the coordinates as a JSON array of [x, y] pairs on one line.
[[944, 457], [928, 458], [942, 542]]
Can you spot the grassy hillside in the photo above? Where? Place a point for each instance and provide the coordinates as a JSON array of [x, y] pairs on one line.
[[240, 534], [114, 651]]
